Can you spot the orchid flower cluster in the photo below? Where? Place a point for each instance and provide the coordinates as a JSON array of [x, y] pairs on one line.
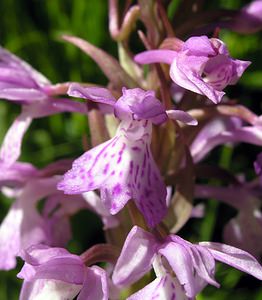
[[161, 114]]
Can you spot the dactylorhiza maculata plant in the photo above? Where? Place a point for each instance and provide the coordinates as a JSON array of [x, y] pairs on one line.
[[150, 131]]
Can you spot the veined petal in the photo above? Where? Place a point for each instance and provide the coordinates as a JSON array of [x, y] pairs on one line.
[[199, 46], [156, 56], [204, 264], [162, 288], [43, 289], [54, 106], [90, 170], [245, 231], [96, 94], [210, 136], [95, 285], [186, 71], [17, 232], [136, 257], [235, 257], [10, 238], [11, 147], [38, 254], [122, 168], [24, 95], [181, 262], [24, 226], [66, 105], [43, 262], [181, 116], [16, 174], [16, 77], [8, 59]]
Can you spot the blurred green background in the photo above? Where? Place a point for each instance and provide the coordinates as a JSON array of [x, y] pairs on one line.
[[32, 29]]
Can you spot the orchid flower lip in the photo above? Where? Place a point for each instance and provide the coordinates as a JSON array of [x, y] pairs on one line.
[[199, 56]]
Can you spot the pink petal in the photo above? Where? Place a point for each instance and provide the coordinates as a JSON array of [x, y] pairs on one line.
[[181, 262], [95, 285], [182, 116], [96, 94], [156, 56], [235, 257], [162, 288], [16, 174], [122, 168], [245, 231], [48, 289], [186, 71], [23, 225], [11, 147], [22, 94], [10, 60], [199, 46], [43, 262], [136, 257]]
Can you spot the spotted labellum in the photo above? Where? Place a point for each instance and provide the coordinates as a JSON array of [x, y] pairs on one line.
[[123, 168]]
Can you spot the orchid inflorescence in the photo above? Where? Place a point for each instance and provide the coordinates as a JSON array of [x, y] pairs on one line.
[[150, 130]]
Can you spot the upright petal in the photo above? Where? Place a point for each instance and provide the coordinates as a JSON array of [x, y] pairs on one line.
[[181, 263], [11, 147], [95, 285], [136, 257], [24, 226]]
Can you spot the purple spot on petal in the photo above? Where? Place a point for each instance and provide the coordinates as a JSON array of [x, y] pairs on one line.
[[90, 184], [131, 166], [113, 206], [137, 169], [117, 189], [137, 149], [106, 169]]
